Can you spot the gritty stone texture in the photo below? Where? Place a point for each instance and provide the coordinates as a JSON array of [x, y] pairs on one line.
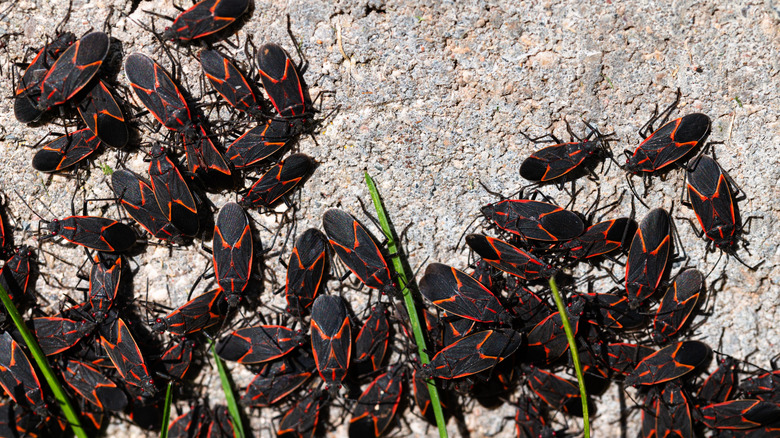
[[431, 99]]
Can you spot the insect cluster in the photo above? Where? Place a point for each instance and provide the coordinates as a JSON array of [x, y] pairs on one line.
[[493, 334]]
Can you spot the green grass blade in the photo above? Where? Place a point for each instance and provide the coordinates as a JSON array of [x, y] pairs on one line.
[[166, 418], [230, 396], [404, 276], [59, 394], [575, 357]]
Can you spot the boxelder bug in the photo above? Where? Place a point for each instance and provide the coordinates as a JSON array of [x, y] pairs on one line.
[[15, 274], [98, 233], [176, 360], [306, 271], [612, 311], [376, 406], [18, 377], [259, 143], [103, 116], [301, 420], [372, 340], [57, 334], [601, 238], [232, 251], [677, 304], [205, 160], [172, 193], [103, 287], [137, 197], [509, 258], [473, 354], [282, 83], [534, 220], [547, 340], [279, 379], [740, 414], [648, 256], [277, 181], [670, 363], [459, 294], [559, 393], [66, 151], [331, 338], [668, 414], [259, 344], [199, 313], [558, 160], [720, 384], [622, 357], [229, 82], [124, 353], [36, 70], [158, 93], [67, 76], [713, 203], [358, 250], [205, 18], [90, 384]]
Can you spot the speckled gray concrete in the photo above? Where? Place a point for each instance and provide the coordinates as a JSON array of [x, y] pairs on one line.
[[431, 99]]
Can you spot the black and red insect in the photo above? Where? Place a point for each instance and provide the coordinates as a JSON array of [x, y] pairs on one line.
[[547, 340], [622, 358], [648, 256], [668, 412], [358, 250], [669, 363], [373, 338], [764, 386], [277, 181], [124, 353], [205, 160], [302, 419], [98, 233], [70, 73], [15, 274], [530, 422], [199, 313], [193, 424], [710, 196], [509, 258], [534, 220], [601, 238], [559, 393], [232, 251], [259, 143], [331, 338], [670, 143], [377, 405], [103, 288], [740, 414], [35, 72], [721, 384], [259, 344], [558, 160], [677, 304], [159, 94], [18, 377], [611, 311], [56, 334], [306, 271], [66, 151], [473, 354], [91, 385], [282, 83], [205, 18], [229, 82], [279, 379], [137, 197], [177, 359], [172, 193], [457, 293], [103, 116]]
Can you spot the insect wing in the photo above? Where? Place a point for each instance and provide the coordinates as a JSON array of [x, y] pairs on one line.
[[459, 294], [331, 338], [306, 271], [103, 116], [66, 151]]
